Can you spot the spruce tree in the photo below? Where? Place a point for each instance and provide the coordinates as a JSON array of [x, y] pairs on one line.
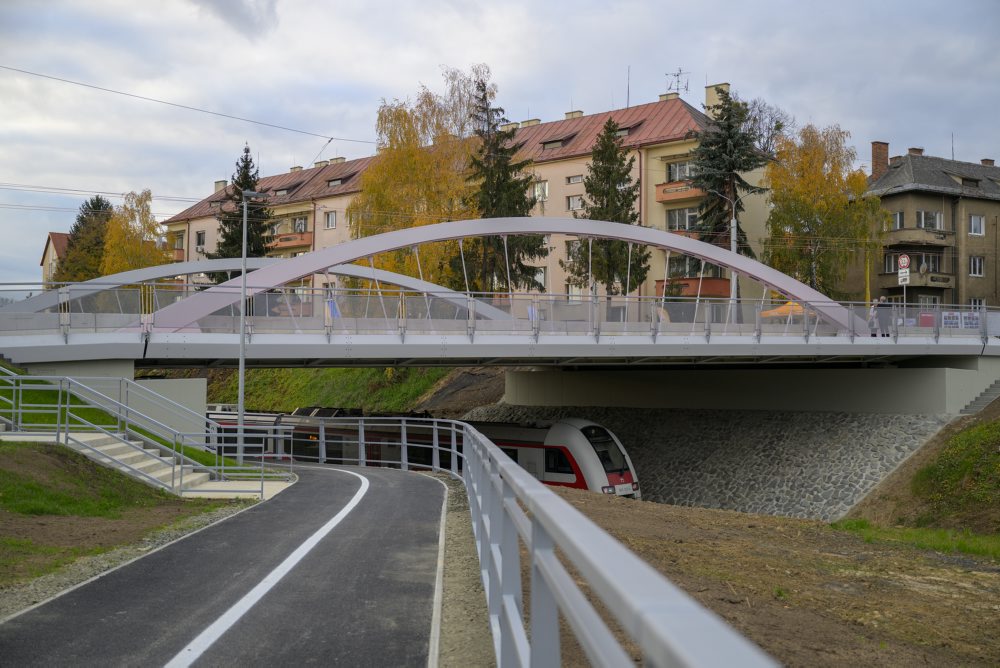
[[230, 216], [503, 190], [611, 194], [85, 246], [725, 151]]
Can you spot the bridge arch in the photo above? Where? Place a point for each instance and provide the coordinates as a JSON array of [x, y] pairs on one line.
[[185, 312]]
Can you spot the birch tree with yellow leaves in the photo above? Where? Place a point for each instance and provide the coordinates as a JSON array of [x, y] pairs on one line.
[[820, 217], [420, 174], [131, 240]]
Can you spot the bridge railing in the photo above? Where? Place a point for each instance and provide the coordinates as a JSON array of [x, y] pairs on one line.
[[340, 311], [511, 511]]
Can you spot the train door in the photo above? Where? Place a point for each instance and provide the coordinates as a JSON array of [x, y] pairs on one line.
[[531, 460]]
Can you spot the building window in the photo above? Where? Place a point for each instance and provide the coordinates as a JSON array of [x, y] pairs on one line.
[[557, 143], [928, 300], [199, 238], [216, 205], [977, 302], [977, 225], [541, 191], [890, 266], [279, 193], [682, 219], [574, 202], [970, 183], [331, 220], [576, 178], [929, 220], [976, 265], [680, 171], [334, 182], [299, 224], [897, 220], [686, 266], [179, 241], [929, 262], [540, 277]]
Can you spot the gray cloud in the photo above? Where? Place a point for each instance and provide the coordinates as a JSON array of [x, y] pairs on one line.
[[250, 17]]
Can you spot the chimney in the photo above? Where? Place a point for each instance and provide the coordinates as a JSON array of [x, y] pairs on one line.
[[880, 159], [915, 150], [337, 160], [672, 95], [296, 168], [321, 163], [531, 121], [220, 185], [712, 95], [987, 162], [509, 126], [573, 114]]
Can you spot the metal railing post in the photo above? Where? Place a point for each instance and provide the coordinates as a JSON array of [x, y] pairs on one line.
[[362, 461], [404, 455], [322, 442], [545, 649], [436, 452], [454, 449]]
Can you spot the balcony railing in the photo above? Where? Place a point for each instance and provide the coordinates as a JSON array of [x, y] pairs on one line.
[[677, 191], [919, 236], [930, 279], [178, 254], [688, 287], [290, 240]]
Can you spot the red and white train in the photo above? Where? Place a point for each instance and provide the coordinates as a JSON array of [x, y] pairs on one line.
[[565, 453]]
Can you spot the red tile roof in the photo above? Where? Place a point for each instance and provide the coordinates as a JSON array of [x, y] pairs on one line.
[[301, 186], [59, 241], [652, 123]]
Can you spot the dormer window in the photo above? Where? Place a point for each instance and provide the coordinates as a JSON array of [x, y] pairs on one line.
[[626, 130], [334, 182], [279, 193], [969, 183], [556, 143], [216, 205]]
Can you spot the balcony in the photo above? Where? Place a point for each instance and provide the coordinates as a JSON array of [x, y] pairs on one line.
[[178, 254], [710, 287], [677, 191], [290, 240], [930, 279], [919, 236]]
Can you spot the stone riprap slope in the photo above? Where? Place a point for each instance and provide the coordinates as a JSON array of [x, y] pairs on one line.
[[809, 465]]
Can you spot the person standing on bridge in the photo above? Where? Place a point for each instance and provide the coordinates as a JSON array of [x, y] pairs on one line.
[[884, 310]]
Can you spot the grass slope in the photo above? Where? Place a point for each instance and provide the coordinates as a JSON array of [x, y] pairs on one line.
[[375, 390], [56, 505]]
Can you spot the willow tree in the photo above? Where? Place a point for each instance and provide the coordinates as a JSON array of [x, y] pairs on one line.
[[820, 215], [420, 174], [132, 238]]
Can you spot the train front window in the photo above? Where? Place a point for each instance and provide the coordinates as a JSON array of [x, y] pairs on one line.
[[611, 456]]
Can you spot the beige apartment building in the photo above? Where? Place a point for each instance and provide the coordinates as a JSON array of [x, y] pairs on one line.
[[309, 205], [55, 250], [945, 217]]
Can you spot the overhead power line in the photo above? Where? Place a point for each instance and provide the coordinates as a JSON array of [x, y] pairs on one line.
[[183, 106]]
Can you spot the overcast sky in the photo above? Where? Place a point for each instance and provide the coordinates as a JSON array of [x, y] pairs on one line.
[[910, 72]]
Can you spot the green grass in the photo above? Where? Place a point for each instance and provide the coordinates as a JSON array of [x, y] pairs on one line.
[[964, 480], [375, 390], [941, 540], [70, 485]]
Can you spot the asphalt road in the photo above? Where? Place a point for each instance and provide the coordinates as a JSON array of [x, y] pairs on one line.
[[362, 596]]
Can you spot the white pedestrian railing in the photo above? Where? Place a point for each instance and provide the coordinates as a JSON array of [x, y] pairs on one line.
[[398, 313], [512, 510]]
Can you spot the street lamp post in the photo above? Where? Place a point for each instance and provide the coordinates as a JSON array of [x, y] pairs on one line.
[[240, 407]]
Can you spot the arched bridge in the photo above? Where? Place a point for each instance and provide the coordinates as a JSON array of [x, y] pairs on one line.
[[419, 323]]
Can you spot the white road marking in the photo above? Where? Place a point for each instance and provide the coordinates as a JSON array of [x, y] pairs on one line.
[[434, 645], [210, 635]]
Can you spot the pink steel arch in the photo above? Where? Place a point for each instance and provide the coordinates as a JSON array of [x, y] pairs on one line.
[[182, 314]]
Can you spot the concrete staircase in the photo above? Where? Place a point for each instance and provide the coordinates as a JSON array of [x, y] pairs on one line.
[[137, 460], [983, 400]]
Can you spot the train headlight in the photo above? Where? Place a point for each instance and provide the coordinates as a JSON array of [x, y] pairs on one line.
[[635, 487], [608, 490]]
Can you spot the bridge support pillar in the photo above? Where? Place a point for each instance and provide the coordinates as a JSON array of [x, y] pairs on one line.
[[933, 387]]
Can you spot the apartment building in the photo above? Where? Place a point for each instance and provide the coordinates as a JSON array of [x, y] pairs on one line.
[[309, 204], [945, 218]]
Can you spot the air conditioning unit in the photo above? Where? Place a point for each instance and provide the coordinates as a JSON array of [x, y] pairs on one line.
[[199, 249]]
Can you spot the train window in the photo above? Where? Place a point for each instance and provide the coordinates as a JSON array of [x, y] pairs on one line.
[[510, 452], [556, 462], [611, 456]]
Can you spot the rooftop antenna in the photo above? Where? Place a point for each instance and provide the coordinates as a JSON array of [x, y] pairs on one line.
[[628, 87], [677, 82], [952, 145]]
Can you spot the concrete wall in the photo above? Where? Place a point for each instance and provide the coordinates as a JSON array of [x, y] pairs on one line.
[[191, 393], [84, 369], [933, 390]]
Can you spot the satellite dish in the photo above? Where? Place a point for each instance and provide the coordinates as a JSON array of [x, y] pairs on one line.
[[923, 267]]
